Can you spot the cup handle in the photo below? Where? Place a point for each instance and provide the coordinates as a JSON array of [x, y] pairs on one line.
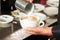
[[41, 23]]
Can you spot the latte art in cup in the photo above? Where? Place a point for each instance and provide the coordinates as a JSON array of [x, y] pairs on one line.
[[24, 17], [34, 18], [30, 21]]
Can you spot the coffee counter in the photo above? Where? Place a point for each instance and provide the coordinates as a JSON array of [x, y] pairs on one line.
[[15, 32]]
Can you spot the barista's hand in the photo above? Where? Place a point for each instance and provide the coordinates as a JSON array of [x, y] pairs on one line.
[[40, 31], [29, 1]]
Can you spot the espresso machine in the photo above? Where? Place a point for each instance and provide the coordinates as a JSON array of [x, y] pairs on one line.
[[6, 6]]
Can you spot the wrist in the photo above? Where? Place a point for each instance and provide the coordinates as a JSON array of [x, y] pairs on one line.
[[50, 31]]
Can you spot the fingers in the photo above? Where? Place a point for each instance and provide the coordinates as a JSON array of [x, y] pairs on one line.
[[29, 1], [31, 29], [36, 29], [34, 33]]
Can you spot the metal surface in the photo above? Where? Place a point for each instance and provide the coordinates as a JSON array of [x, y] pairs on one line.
[[29, 8], [24, 7]]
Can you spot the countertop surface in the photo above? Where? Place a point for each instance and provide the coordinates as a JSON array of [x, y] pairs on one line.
[[15, 32]]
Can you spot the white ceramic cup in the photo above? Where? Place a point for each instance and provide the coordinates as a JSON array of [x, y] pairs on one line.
[[31, 21], [5, 21]]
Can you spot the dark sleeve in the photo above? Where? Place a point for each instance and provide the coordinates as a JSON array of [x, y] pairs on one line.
[[56, 28]]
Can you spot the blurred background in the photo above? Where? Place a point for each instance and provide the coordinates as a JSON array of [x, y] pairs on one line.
[[7, 6]]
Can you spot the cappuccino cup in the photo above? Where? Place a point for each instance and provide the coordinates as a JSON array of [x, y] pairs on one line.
[[31, 21]]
